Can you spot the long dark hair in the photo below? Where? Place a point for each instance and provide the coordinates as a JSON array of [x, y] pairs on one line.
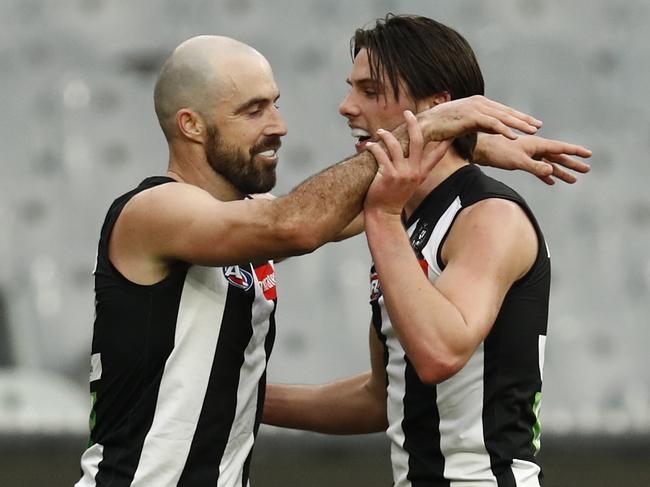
[[427, 56]]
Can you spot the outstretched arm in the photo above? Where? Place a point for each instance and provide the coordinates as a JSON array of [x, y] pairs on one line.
[[545, 158], [173, 222]]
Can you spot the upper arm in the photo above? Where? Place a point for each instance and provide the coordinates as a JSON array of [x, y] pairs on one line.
[[182, 222], [491, 245]]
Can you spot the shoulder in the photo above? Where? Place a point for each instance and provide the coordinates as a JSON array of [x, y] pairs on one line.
[[496, 231], [168, 200], [479, 186]]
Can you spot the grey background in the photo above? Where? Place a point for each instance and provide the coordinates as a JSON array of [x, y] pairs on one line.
[[78, 129]]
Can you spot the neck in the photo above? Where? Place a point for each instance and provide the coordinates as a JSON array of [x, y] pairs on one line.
[[448, 165], [188, 164]]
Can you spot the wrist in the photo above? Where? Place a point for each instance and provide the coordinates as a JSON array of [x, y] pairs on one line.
[[478, 157], [381, 216]]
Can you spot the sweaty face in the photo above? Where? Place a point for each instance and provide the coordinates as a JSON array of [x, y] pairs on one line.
[[368, 106], [251, 171]]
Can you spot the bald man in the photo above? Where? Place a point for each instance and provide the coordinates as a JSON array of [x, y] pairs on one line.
[[184, 280]]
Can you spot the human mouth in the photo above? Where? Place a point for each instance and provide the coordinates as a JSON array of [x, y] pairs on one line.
[[362, 137], [269, 155]]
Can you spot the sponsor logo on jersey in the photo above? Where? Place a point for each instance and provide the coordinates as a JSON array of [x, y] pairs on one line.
[[238, 277], [266, 277]]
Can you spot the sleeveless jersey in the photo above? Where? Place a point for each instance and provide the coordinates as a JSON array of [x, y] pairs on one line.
[[478, 427], [178, 371]]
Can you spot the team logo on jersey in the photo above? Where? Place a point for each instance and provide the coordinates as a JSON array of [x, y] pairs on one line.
[[420, 235], [238, 277], [266, 277]]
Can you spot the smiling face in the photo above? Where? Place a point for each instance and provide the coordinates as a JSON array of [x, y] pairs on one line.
[[244, 133], [368, 106]]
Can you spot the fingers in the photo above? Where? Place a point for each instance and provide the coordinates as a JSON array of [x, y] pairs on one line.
[[508, 117], [547, 179], [416, 139], [541, 169], [493, 125], [383, 161], [547, 146], [561, 173], [569, 162], [547, 170], [395, 153], [530, 122]]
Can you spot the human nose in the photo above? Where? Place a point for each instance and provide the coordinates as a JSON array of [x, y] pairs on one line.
[[348, 107], [277, 125]]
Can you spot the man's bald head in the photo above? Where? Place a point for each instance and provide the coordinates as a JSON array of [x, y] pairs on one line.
[[196, 73]]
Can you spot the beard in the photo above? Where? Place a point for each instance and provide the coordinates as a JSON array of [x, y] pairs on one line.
[[241, 169]]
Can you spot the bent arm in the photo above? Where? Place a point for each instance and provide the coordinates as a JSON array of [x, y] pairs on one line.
[[440, 324], [354, 405]]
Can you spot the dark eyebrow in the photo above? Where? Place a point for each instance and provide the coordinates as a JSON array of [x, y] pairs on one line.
[[365, 81], [258, 100]]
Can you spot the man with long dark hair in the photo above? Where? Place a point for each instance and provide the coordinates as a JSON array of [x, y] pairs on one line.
[[459, 285]]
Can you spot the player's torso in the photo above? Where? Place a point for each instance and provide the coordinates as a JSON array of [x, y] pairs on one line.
[[178, 374], [443, 432]]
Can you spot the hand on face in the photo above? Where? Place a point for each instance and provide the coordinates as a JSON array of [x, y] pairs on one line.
[[474, 114], [398, 175]]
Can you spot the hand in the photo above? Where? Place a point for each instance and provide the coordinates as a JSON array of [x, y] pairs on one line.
[[474, 114], [398, 176], [544, 158]]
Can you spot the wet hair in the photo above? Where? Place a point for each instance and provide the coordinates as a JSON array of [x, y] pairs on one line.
[[427, 57]]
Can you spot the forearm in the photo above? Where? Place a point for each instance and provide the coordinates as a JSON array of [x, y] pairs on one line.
[[431, 329], [348, 406], [323, 205]]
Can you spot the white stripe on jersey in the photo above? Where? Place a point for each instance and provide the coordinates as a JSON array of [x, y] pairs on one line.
[[526, 473], [396, 369], [439, 232], [242, 434], [460, 404], [185, 379], [90, 465], [541, 347]]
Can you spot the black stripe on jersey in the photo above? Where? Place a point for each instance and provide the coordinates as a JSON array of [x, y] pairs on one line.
[[517, 378], [220, 403], [376, 323], [261, 392], [422, 440], [123, 382]]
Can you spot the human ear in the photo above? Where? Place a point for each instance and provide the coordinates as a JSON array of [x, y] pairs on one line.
[[433, 100], [190, 124]]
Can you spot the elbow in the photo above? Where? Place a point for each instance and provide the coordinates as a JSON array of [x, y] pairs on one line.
[[432, 370]]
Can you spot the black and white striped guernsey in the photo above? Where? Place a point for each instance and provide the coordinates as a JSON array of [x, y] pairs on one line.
[[178, 371], [479, 427]]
